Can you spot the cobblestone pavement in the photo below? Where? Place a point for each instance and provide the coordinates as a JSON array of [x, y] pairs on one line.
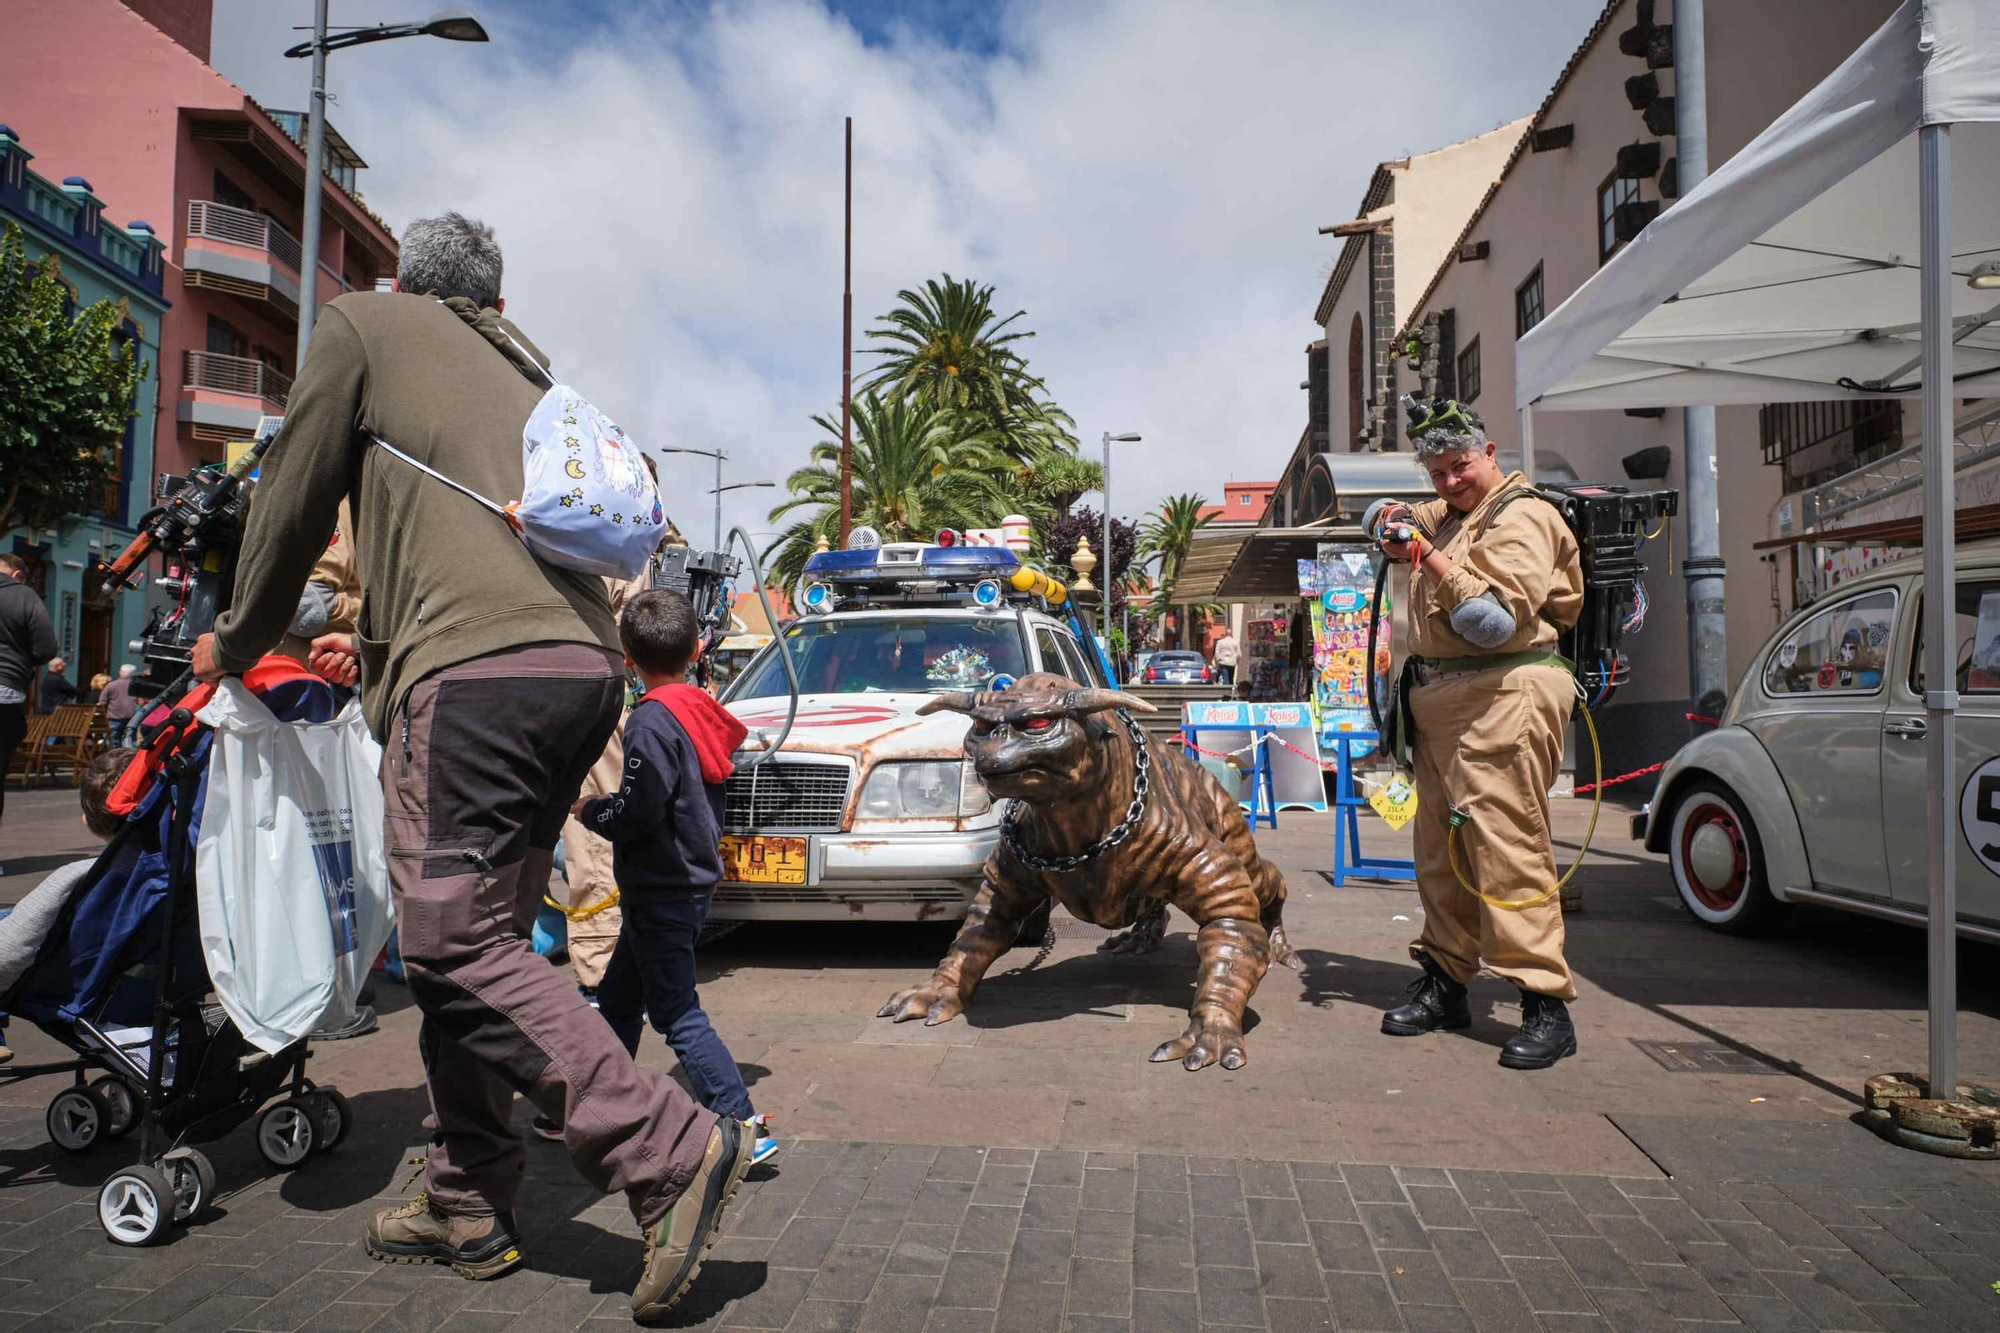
[[1696, 1167]]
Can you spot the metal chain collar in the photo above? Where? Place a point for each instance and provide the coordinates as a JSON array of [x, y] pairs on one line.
[[1141, 784]]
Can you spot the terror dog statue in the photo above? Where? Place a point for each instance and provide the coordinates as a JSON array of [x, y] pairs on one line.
[[1115, 831]]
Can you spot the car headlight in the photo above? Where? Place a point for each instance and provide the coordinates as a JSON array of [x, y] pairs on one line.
[[923, 789]]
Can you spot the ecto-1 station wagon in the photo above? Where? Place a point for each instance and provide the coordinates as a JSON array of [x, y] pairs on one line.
[[869, 811], [1812, 788]]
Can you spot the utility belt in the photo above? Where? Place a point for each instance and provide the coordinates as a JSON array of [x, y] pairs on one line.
[[1430, 670]]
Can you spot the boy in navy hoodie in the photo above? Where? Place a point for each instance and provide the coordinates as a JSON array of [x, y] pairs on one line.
[[664, 824]]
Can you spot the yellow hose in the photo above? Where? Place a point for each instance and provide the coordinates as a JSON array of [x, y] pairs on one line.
[[579, 913], [1596, 804]]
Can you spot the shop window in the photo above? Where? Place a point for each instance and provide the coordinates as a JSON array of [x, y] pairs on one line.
[[1528, 303], [1840, 650], [1616, 190], [1468, 372]]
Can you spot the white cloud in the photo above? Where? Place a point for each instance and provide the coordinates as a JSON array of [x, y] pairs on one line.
[[1145, 178]]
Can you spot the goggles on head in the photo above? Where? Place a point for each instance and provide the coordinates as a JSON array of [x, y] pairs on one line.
[[1437, 414]]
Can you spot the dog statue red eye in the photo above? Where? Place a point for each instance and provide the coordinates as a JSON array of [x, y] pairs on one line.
[[1038, 724], [982, 728]]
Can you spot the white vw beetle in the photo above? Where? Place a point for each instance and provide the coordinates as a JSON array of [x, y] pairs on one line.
[[1812, 789]]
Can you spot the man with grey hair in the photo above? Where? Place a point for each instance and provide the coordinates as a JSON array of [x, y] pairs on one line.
[[1495, 576], [493, 681]]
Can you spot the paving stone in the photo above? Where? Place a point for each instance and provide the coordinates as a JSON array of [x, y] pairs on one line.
[[1039, 1256], [772, 1304], [1030, 1307], [1289, 1315], [941, 1202], [1057, 1167], [1342, 1247], [1114, 1191], [972, 1279], [1855, 1278], [1161, 1213], [1761, 1246], [1223, 1241], [1437, 1319], [1215, 1166], [1920, 1232], [1289, 1271], [1634, 1239], [1514, 1233], [1216, 1196], [1316, 1171], [1438, 1206], [1679, 1290], [874, 1222], [1885, 1253], [1003, 1184], [1769, 1314], [1952, 1304], [1163, 1263], [1639, 1312], [1548, 1286], [1362, 1303], [1095, 1323], [1910, 1318], [958, 1164], [1496, 1307], [990, 1229], [1229, 1296], [1110, 1161], [833, 1196], [1555, 1214], [1595, 1263], [1100, 1287], [825, 1317], [951, 1320], [920, 1249], [805, 1242], [898, 1303], [1326, 1201], [1416, 1277], [1165, 1311], [1468, 1254], [1711, 1204], [847, 1273], [1792, 1224], [1822, 1302], [1393, 1226], [1102, 1235], [1373, 1184], [1051, 1207], [1572, 1323], [1162, 1173], [1484, 1189], [1271, 1180]]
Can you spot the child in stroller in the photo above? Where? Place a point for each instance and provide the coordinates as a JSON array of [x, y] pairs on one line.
[[120, 981]]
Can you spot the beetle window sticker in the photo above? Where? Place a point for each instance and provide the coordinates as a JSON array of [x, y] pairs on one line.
[[1983, 671]]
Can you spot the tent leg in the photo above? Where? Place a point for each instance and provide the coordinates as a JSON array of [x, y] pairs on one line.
[[1940, 624], [1528, 443]]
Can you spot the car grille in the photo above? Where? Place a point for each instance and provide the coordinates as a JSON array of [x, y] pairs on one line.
[[792, 798]]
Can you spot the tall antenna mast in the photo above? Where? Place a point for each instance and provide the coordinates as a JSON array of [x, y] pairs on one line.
[[847, 355]]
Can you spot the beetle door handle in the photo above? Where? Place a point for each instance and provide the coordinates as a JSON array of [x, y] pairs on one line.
[[1913, 729]]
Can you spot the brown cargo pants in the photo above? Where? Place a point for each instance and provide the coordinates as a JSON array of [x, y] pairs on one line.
[[479, 771], [1491, 742]]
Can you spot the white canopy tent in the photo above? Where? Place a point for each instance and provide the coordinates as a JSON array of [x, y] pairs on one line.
[[1833, 257]]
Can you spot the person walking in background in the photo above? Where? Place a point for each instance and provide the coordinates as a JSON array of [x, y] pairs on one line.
[[1226, 654], [27, 640], [664, 824], [493, 680], [56, 688], [119, 705]]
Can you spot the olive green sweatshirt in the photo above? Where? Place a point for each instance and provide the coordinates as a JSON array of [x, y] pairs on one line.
[[443, 579]]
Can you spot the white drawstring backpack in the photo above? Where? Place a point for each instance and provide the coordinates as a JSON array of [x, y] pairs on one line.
[[587, 501]]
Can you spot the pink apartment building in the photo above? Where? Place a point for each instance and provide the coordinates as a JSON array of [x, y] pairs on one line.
[[121, 91]]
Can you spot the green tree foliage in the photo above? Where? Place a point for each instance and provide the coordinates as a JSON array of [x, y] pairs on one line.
[[945, 346], [915, 470], [1059, 479], [68, 392]]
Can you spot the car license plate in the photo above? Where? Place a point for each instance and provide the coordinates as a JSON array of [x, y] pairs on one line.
[[1179, 677], [759, 860]]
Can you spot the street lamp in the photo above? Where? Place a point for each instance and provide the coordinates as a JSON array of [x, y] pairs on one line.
[[453, 25], [733, 486], [1109, 567], [718, 455]]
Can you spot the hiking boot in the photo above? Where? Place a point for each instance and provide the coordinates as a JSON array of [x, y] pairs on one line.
[[675, 1244], [420, 1232], [1436, 1001], [1546, 1034]]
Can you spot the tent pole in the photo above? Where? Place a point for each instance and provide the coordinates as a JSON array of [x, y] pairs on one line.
[[1708, 623], [1528, 443], [1940, 609]]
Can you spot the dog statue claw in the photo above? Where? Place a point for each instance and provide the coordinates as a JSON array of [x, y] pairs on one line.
[[1116, 831]]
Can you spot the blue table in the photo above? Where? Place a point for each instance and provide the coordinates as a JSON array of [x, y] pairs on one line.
[[1348, 802]]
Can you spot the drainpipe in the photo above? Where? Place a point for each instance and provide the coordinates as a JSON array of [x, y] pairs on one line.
[[1708, 654]]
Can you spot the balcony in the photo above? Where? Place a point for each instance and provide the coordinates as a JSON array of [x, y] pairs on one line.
[[222, 397], [243, 254]]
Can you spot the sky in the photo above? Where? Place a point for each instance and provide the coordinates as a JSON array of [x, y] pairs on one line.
[[1144, 177]]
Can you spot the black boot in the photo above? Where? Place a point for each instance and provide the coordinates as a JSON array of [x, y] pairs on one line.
[[1546, 1034], [1436, 1001]]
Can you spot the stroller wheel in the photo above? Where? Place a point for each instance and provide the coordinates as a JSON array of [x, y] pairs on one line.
[[136, 1206], [336, 1118], [192, 1178], [77, 1118], [287, 1132], [118, 1098]]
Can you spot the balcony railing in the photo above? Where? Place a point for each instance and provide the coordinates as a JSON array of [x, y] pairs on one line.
[[239, 226], [242, 375]]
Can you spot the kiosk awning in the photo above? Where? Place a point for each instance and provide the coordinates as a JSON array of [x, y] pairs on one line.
[[1253, 564]]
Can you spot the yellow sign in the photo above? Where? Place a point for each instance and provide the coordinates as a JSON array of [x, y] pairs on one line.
[[1396, 802]]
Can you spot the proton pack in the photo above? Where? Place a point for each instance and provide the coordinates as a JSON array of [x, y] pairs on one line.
[[197, 530], [1610, 525]]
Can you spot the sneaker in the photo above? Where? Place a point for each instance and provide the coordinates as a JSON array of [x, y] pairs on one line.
[[589, 994], [545, 1128], [5, 1055], [362, 1024], [676, 1243], [421, 1232], [767, 1144]]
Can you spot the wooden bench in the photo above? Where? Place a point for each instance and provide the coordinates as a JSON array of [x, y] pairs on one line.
[[65, 748], [27, 761]]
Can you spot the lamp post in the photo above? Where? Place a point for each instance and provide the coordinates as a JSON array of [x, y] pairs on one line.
[[454, 25], [1109, 438], [734, 486]]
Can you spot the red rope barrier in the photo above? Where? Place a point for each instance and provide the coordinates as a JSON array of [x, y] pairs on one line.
[[1623, 777]]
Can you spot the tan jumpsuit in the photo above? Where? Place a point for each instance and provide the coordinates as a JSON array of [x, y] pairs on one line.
[[587, 857], [1490, 742]]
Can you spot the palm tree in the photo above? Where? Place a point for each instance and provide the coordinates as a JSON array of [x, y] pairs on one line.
[[915, 470], [945, 346], [1168, 537], [1060, 478]]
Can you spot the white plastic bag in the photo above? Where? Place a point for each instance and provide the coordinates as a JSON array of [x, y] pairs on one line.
[[290, 876]]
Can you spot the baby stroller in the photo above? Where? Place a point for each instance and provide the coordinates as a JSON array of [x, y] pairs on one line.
[[120, 981]]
